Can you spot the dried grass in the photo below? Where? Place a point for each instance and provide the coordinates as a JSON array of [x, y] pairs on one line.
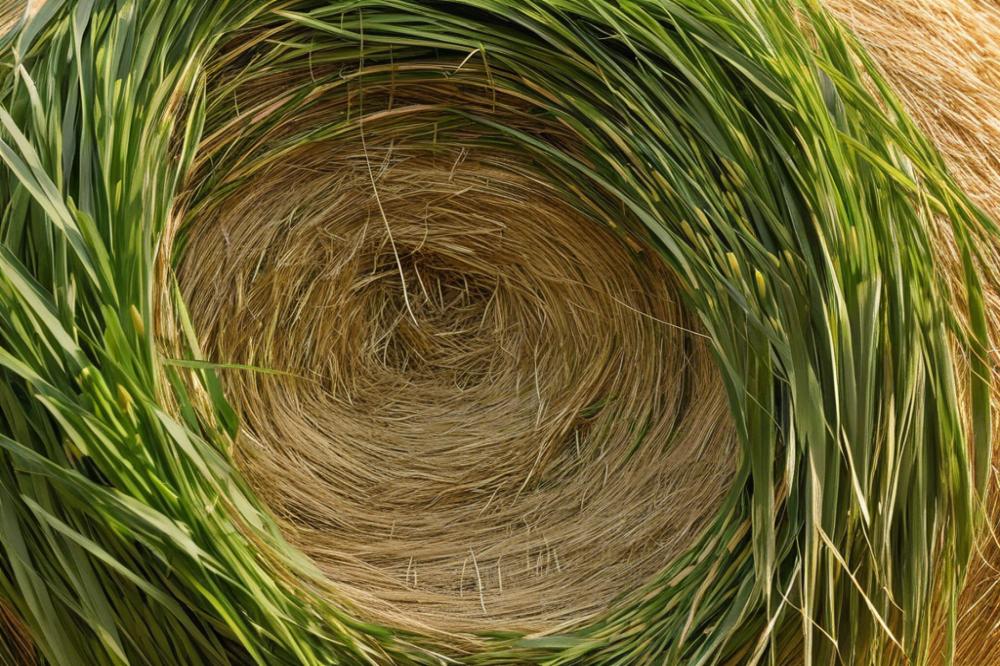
[[476, 372], [15, 640], [12, 10]]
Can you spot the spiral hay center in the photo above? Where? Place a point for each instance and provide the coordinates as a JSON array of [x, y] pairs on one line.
[[491, 410]]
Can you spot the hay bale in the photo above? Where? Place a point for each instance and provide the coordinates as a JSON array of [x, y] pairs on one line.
[[601, 334], [468, 375]]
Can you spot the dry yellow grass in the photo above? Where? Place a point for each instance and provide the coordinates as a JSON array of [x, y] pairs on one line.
[[472, 365], [12, 10], [16, 637]]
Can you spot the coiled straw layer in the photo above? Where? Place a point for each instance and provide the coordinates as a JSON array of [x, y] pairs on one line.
[[462, 431], [494, 332]]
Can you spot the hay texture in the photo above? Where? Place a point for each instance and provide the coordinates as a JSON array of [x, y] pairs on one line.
[[459, 432], [491, 332], [943, 58]]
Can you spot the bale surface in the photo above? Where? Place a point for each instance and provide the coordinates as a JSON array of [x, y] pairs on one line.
[[473, 369], [571, 333]]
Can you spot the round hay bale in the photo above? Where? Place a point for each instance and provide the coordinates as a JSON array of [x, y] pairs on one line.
[[483, 332], [471, 369]]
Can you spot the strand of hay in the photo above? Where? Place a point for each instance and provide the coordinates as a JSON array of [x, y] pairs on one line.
[[16, 645], [581, 335]]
